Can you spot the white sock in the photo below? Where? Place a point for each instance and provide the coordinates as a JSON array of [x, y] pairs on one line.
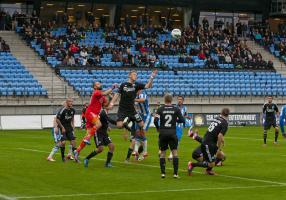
[[136, 146], [70, 150], [54, 150], [171, 155]]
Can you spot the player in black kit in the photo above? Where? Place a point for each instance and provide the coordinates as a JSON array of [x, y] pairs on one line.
[[65, 120], [198, 154], [270, 112], [212, 142], [126, 111], [102, 138], [168, 115]]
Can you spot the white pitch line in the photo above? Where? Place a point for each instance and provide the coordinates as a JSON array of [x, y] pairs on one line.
[[154, 166], [148, 191], [5, 197]]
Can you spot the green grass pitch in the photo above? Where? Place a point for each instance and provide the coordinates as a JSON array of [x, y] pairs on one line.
[[249, 172]]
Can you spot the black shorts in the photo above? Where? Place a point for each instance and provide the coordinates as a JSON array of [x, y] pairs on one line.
[[168, 139], [197, 153], [209, 152], [102, 139], [68, 135], [268, 123], [133, 116]]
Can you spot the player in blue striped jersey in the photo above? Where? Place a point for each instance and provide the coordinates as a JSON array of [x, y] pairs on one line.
[[282, 120], [143, 108], [180, 126]]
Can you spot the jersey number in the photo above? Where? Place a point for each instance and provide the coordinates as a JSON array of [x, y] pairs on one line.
[[168, 119], [212, 126]]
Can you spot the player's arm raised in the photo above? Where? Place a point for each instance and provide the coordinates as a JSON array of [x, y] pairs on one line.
[[113, 100], [150, 81], [115, 97], [110, 90]]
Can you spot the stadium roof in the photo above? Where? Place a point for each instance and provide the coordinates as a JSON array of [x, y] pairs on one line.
[[216, 5]]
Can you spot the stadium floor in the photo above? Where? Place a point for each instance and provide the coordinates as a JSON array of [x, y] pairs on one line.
[[249, 172]]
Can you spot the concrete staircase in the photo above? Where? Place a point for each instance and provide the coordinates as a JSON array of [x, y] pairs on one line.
[[266, 55], [57, 88]]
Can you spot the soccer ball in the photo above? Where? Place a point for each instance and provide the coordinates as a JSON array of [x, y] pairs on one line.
[[176, 33]]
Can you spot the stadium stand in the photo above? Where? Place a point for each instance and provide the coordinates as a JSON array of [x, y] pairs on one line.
[[190, 83], [15, 79], [275, 43], [142, 47]]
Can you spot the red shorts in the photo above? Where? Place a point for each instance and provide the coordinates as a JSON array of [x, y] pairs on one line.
[[91, 119]]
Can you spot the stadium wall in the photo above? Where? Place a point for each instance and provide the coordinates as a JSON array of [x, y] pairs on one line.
[[194, 108]]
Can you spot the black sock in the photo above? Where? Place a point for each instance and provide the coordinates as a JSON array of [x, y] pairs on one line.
[[109, 157], [203, 164], [63, 152], [199, 139], [176, 164], [92, 154], [276, 135], [162, 165], [217, 160], [140, 149], [265, 136], [129, 153], [209, 168]]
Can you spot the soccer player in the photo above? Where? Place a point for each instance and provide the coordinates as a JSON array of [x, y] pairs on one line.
[[282, 120], [128, 92], [83, 119], [169, 115], [142, 106], [198, 154], [180, 126], [102, 139], [65, 120], [212, 142], [92, 114], [270, 114]]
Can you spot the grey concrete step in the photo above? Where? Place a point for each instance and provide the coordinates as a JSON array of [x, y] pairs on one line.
[[56, 86]]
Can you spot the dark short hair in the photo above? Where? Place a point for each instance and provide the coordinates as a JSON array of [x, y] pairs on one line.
[[180, 96], [168, 98], [225, 112]]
